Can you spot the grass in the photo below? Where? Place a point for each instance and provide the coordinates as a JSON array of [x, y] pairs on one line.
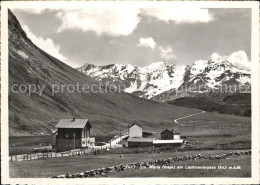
[[243, 161], [75, 164], [211, 129]]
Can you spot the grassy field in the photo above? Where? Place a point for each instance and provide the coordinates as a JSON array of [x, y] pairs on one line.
[[205, 134], [243, 161], [58, 166], [209, 129]]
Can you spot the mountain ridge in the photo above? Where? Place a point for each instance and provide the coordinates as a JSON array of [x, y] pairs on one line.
[[160, 79]]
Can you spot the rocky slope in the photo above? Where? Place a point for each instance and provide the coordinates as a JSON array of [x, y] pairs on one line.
[[38, 114]]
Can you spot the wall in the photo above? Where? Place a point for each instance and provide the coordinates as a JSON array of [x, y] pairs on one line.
[[135, 131], [167, 136], [66, 140], [139, 144], [177, 136], [169, 144]]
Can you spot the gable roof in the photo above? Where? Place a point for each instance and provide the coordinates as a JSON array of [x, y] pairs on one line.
[[73, 123], [135, 124], [166, 130]]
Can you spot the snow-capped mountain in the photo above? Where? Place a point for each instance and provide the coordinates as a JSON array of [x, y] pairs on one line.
[[145, 81], [203, 75], [215, 73], [161, 80]]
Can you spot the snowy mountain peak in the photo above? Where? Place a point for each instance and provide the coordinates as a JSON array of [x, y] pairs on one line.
[[162, 65], [159, 77]]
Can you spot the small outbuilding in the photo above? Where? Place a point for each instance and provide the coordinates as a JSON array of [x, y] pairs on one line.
[[73, 134], [135, 130], [168, 135], [176, 136]]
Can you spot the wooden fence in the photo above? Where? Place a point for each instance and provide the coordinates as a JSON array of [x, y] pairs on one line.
[[28, 157]]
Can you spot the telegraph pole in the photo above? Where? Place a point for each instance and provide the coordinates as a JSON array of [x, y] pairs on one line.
[[110, 140], [74, 140], [162, 127]]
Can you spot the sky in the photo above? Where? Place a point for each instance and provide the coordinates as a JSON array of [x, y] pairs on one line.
[[140, 36]]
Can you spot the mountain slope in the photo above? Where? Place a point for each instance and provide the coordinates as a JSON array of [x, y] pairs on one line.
[[238, 104], [38, 114], [162, 81]]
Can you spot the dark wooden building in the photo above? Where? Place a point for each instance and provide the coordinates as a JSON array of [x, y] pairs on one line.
[[73, 134], [167, 135]]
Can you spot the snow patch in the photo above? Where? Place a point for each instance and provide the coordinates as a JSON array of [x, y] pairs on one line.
[[22, 54]]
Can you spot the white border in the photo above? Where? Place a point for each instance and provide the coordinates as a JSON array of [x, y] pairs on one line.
[[142, 4]]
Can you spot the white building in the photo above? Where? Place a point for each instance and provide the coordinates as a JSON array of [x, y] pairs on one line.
[[135, 130]]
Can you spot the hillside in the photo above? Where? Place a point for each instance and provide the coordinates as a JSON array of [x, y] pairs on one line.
[[236, 104], [38, 114]]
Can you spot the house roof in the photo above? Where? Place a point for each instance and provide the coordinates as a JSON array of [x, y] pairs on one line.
[[140, 139], [167, 141], [73, 123], [135, 124], [166, 130]]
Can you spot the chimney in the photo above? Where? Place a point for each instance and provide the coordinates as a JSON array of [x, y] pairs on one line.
[[73, 119], [172, 130]]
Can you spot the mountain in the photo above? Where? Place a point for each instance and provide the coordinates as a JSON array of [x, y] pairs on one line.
[[206, 76], [36, 113], [146, 82], [163, 81]]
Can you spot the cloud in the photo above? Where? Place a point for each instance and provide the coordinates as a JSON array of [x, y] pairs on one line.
[[110, 21], [238, 59], [180, 15], [32, 10], [166, 53], [118, 21], [147, 42], [46, 44]]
